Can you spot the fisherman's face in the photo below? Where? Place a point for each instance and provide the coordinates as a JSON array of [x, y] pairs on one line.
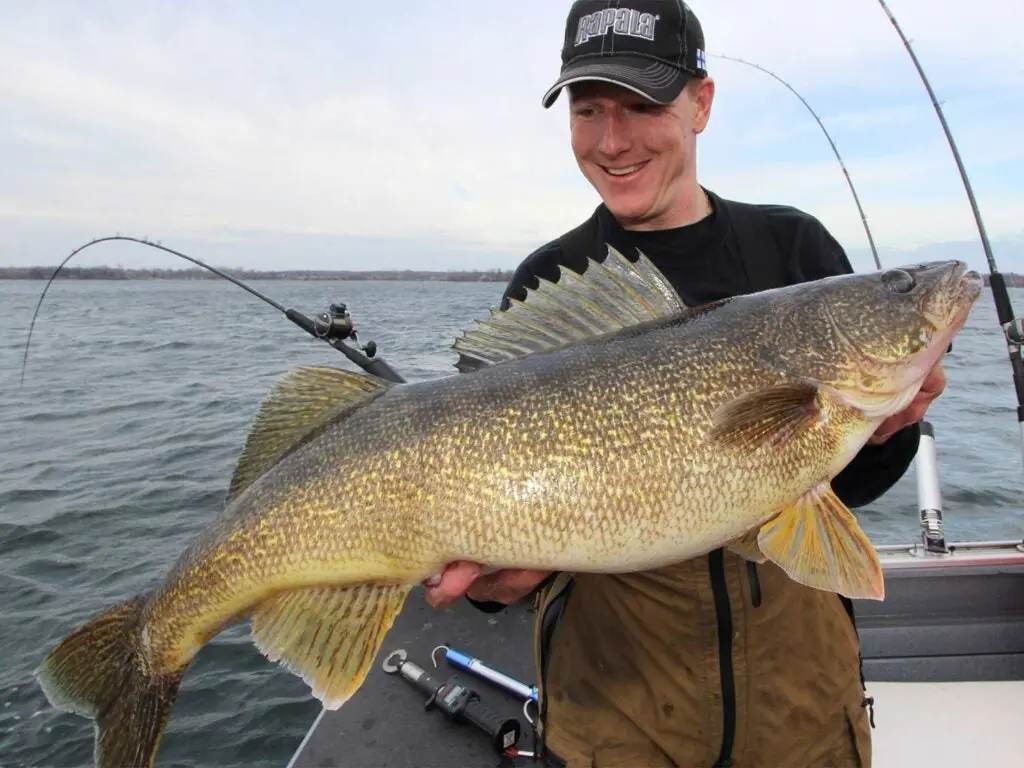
[[640, 156]]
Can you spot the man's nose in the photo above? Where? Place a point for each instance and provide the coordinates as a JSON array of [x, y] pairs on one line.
[[615, 134]]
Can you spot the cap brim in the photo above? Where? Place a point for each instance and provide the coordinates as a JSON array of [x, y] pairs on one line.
[[653, 80]]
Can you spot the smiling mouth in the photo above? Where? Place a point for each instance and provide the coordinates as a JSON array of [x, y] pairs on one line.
[[629, 170]]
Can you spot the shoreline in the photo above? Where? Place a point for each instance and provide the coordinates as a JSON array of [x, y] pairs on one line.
[[389, 275], [1013, 280]]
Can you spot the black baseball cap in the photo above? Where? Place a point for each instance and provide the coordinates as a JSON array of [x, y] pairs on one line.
[[652, 47]]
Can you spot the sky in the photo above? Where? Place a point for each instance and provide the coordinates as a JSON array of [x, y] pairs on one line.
[[410, 134]]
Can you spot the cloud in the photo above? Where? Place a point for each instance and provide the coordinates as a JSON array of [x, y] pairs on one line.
[[421, 124]]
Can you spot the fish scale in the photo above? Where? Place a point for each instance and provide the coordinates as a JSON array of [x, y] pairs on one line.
[[607, 429]]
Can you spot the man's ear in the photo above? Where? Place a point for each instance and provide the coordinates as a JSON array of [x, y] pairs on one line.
[[704, 95]]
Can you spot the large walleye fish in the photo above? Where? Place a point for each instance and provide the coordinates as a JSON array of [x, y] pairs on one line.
[[608, 429]]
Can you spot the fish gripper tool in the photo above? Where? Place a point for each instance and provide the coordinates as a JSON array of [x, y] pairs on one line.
[[456, 701], [528, 693]]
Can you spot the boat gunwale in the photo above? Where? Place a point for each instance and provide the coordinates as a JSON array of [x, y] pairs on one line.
[[914, 557]]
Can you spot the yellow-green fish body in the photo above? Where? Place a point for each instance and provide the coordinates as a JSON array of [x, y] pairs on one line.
[[608, 429]]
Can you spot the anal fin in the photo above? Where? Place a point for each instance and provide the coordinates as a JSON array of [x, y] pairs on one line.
[[329, 636], [819, 543]]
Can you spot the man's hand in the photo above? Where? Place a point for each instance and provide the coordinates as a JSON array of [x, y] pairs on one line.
[[933, 386], [465, 579]]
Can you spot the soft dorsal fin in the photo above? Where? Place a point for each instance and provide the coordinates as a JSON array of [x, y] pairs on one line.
[[302, 403], [609, 296]]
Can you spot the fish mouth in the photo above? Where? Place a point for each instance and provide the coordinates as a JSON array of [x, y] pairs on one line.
[[972, 277], [971, 286], [969, 281], [946, 308], [961, 288]]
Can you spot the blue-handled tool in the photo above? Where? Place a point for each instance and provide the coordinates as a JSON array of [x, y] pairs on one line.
[[528, 693]]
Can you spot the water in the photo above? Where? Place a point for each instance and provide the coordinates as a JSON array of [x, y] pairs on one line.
[[118, 449]]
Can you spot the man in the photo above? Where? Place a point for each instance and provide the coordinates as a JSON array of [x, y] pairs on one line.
[[716, 661]]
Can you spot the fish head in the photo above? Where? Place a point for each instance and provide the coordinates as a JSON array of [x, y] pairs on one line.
[[871, 339]]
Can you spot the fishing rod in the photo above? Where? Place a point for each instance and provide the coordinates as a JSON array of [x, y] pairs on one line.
[[333, 326], [835, 149], [1013, 327]]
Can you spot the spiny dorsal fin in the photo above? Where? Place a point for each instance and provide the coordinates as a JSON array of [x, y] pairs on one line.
[[303, 402], [609, 296]]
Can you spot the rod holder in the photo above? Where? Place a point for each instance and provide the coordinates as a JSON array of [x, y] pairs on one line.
[[929, 495]]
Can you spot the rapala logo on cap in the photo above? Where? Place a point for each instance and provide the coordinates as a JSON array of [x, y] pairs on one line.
[[621, 21]]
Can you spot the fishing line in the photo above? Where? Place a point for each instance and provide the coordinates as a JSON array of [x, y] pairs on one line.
[[835, 149], [333, 326]]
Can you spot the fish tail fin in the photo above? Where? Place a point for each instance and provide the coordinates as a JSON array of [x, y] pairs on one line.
[[329, 636], [99, 672]]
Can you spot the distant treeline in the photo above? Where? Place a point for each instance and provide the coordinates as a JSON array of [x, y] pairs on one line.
[[196, 273], [1011, 278]]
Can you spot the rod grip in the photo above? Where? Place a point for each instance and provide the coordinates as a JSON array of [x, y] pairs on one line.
[[503, 732]]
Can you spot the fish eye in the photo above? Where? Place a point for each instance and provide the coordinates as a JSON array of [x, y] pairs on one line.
[[898, 281]]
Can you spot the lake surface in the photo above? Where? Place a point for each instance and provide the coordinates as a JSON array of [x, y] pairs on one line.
[[119, 446]]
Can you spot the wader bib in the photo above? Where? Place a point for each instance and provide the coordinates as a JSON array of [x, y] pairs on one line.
[[713, 662]]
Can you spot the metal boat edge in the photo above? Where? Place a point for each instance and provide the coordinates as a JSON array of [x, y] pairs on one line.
[[896, 558]]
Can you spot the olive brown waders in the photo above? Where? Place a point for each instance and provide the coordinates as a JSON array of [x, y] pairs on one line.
[[713, 662]]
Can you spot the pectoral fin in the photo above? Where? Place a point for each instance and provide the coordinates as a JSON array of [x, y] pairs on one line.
[[771, 416], [818, 542]]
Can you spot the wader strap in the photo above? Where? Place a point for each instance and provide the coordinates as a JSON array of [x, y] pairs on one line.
[[550, 606]]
